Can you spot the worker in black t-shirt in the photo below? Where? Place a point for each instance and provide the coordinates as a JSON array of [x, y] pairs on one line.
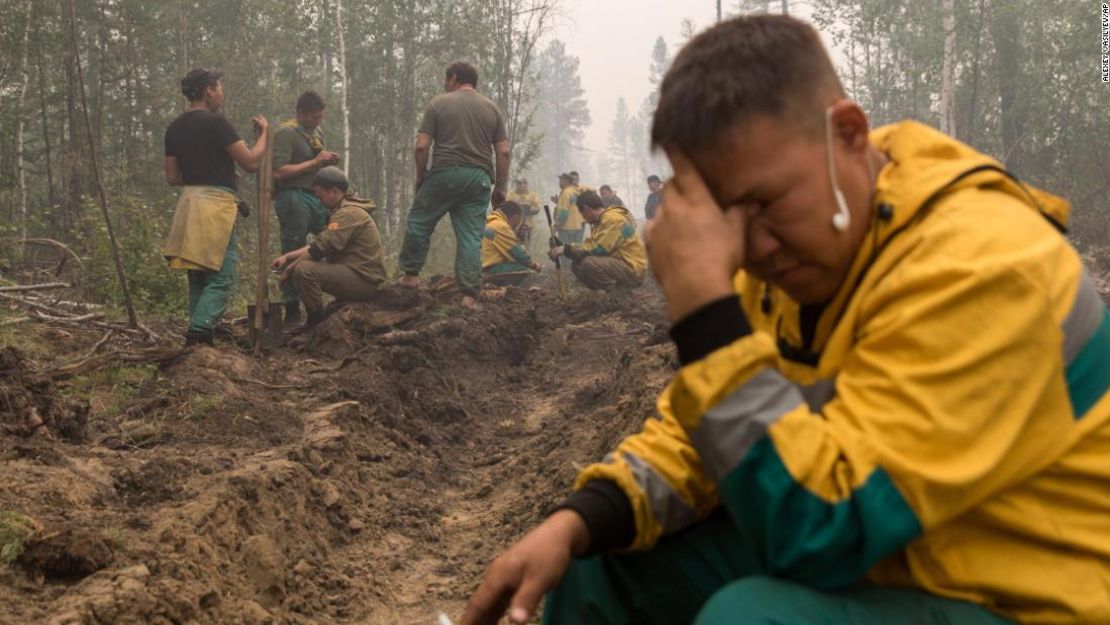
[[202, 149]]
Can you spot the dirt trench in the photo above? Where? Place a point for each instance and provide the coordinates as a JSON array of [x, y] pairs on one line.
[[369, 480]]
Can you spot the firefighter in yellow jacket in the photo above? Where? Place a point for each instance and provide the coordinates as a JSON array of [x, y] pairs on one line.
[[612, 256], [504, 259], [346, 260], [569, 226], [893, 404]]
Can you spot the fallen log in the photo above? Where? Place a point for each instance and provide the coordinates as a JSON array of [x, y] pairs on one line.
[[34, 287]]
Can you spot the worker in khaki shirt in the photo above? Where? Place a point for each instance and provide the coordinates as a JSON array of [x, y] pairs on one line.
[[345, 261], [613, 255], [529, 204]]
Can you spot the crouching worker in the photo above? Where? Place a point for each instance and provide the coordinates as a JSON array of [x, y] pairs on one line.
[[889, 409], [504, 259], [613, 255], [345, 261]]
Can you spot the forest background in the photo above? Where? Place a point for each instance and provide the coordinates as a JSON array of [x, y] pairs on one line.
[[1018, 79]]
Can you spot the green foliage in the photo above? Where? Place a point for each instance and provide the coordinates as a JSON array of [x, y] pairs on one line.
[[140, 232], [15, 530]]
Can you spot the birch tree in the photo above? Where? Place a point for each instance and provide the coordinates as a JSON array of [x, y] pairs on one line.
[[948, 69], [21, 118], [341, 35]]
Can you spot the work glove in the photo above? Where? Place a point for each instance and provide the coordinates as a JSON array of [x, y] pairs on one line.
[[554, 241], [556, 252]]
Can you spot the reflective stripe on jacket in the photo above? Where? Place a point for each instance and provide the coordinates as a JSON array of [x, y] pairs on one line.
[[943, 423]]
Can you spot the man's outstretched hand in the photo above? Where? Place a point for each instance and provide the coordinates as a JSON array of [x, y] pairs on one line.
[[518, 578], [695, 248]]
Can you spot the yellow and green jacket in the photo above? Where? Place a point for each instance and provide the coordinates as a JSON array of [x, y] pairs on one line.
[[614, 235], [567, 216], [943, 423], [499, 243]]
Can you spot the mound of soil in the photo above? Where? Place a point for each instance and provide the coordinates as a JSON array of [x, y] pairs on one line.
[[30, 402], [369, 479]]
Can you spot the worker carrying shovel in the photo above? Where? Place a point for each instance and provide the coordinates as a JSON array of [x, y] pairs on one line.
[[893, 399]]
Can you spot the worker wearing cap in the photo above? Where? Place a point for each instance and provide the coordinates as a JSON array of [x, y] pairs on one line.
[[613, 255], [345, 260], [201, 151], [298, 154], [529, 204], [504, 259]]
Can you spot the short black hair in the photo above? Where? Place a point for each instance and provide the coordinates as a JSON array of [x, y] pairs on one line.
[[604, 187], [654, 178], [590, 199], [194, 84], [310, 102], [771, 65], [463, 72], [509, 209]]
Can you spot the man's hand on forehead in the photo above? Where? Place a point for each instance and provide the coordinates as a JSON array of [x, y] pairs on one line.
[[695, 248]]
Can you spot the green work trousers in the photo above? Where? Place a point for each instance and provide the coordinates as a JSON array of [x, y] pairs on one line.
[[210, 291], [464, 192], [709, 575], [314, 278], [299, 213], [494, 274]]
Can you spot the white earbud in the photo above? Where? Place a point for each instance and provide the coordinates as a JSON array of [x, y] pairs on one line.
[[842, 219]]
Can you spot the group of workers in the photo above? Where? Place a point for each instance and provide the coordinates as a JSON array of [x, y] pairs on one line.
[[464, 175], [893, 396]]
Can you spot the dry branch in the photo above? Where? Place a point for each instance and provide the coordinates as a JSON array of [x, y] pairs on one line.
[[91, 363], [34, 287]]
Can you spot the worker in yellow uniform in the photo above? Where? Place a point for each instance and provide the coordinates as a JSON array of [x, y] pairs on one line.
[[504, 259], [893, 399], [612, 256], [568, 223], [529, 204]]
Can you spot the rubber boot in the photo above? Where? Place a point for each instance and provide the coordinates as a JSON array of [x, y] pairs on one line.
[[199, 337]]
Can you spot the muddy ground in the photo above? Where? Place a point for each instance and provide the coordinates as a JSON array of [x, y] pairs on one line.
[[367, 480]]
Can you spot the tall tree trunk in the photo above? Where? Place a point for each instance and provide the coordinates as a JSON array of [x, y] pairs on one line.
[[786, 7], [45, 132], [75, 53], [183, 36], [71, 151], [341, 28], [948, 69], [22, 93], [1007, 45], [973, 105]]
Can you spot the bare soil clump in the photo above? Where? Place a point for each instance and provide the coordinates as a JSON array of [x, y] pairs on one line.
[[368, 478]]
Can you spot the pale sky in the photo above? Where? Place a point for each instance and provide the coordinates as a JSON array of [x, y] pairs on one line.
[[613, 41]]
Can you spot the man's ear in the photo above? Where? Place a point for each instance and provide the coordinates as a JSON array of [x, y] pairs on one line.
[[850, 126]]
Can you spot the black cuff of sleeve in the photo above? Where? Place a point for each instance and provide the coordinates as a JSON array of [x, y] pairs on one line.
[[710, 328], [607, 513], [315, 252]]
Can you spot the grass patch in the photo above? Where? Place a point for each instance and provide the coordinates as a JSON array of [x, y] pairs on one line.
[[16, 529]]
